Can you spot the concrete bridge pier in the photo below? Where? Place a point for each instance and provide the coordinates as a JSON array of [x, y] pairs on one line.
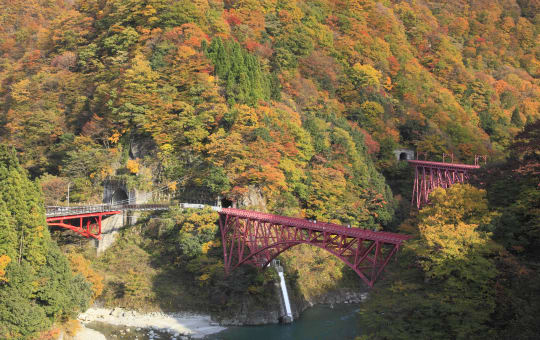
[[116, 192], [109, 229]]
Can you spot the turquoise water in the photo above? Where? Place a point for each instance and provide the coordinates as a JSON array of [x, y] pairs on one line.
[[316, 323]]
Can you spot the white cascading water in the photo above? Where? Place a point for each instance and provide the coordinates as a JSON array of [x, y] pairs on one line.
[[285, 294]]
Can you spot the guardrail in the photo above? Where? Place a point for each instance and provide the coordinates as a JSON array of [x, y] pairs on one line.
[[54, 211]]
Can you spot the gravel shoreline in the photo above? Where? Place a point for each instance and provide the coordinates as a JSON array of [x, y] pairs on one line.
[[87, 334], [181, 324]]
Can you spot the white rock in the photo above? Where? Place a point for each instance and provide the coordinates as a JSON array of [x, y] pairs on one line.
[[87, 333], [196, 325]]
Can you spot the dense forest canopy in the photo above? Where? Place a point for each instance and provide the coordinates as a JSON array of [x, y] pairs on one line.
[[37, 286], [471, 271], [292, 97], [295, 107]]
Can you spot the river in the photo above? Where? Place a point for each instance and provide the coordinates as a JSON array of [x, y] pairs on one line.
[[317, 323]]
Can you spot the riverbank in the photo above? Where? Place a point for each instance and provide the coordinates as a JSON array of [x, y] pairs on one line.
[[86, 333], [188, 325], [322, 322]]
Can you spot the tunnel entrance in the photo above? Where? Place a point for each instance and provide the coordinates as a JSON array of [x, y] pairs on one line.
[[225, 203], [403, 156], [120, 197]]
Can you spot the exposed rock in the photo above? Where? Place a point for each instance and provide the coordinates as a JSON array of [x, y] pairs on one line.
[[251, 313], [343, 295], [88, 334], [117, 312], [252, 199], [141, 146], [194, 325]]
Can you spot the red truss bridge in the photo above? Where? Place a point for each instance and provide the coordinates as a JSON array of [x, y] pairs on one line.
[[431, 175], [257, 238], [86, 220]]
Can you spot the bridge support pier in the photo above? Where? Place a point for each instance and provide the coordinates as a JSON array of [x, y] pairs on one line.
[[109, 229], [112, 225]]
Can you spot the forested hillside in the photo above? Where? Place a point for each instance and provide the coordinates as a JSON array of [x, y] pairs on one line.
[[472, 270], [37, 286], [292, 97], [295, 104]]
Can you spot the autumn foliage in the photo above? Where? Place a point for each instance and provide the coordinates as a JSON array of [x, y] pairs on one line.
[[300, 101]]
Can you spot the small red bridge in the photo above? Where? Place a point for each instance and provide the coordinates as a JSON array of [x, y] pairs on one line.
[[86, 220], [431, 175], [257, 238]]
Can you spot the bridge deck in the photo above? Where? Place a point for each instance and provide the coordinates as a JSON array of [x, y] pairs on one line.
[[442, 165], [383, 236], [57, 211], [257, 238], [78, 211]]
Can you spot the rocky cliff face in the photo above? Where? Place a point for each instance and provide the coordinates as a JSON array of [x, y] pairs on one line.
[[253, 199], [250, 313]]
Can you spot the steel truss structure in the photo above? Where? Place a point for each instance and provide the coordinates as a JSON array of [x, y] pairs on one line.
[[86, 219], [88, 224], [257, 238], [431, 175]]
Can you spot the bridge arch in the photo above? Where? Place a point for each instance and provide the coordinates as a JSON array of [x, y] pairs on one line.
[[279, 247], [258, 238]]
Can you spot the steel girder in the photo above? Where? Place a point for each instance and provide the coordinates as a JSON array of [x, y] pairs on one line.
[[92, 227], [431, 175], [258, 238]]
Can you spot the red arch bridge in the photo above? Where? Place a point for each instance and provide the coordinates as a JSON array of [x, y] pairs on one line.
[[257, 238]]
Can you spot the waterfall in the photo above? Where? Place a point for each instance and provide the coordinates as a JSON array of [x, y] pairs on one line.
[[284, 293]]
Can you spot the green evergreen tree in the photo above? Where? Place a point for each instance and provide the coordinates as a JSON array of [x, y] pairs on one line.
[[516, 118], [26, 236], [530, 120], [240, 72], [39, 287]]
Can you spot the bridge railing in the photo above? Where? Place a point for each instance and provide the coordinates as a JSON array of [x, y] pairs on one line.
[[384, 236], [53, 211]]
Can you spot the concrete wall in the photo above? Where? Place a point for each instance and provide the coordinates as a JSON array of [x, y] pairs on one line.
[[112, 186], [109, 229], [111, 225]]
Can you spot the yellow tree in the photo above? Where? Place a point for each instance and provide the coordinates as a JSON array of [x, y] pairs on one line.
[[138, 96], [450, 294]]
